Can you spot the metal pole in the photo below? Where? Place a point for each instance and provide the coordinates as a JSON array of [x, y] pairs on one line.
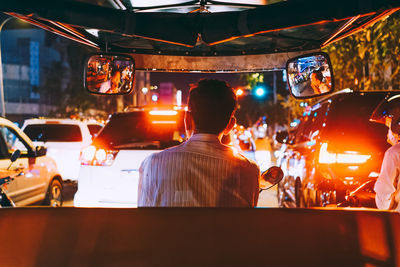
[[3, 104]]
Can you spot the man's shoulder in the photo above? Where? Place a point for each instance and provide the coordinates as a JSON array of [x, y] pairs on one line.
[[246, 162], [165, 152], [394, 150]]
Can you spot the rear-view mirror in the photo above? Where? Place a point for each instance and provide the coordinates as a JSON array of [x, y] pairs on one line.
[[270, 177], [109, 74], [40, 151], [15, 155], [310, 75]]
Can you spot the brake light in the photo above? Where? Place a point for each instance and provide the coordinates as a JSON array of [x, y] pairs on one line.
[[97, 156], [163, 122], [347, 157], [163, 112]]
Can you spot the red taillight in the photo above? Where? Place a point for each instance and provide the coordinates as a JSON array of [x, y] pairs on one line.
[[97, 156], [348, 157]]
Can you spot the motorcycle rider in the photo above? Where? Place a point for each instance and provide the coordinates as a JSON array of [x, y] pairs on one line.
[[387, 186]]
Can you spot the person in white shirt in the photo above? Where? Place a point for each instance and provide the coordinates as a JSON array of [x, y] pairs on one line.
[[201, 172], [387, 186]]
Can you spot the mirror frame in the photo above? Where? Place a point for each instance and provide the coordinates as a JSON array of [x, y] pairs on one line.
[[40, 151], [309, 55], [109, 54]]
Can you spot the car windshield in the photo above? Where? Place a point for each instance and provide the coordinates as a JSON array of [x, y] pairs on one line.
[[348, 120], [53, 132], [142, 130], [94, 128]]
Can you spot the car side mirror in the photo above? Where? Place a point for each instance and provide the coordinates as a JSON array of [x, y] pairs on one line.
[[270, 177], [282, 137], [109, 74], [15, 155], [40, 151], [310, 75]]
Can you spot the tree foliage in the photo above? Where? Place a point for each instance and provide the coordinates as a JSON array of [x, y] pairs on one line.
[[369, 60]]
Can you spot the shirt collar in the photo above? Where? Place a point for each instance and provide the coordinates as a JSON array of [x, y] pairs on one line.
[[204, 137]]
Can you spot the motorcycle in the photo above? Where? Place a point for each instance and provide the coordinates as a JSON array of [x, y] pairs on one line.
[[5, 200]]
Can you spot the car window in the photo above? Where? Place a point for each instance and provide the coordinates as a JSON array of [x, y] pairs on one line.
[[318, 116], [139, 130], [349, 119], [94, 128], [54, 132], [13, 142], [303, 130]]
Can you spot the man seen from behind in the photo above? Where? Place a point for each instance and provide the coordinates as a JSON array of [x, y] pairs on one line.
[[201, 172]]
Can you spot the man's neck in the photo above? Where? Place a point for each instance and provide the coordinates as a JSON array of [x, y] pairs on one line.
[[218, 135]]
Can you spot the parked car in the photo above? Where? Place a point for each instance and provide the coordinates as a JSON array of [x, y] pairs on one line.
[[333, 151], [38, 179], [109, 172], [64, 139]]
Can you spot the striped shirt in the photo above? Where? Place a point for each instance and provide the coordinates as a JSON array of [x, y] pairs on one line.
[[200, 172]]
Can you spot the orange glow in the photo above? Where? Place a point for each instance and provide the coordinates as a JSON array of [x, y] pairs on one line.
[[239, 92], [329, 158], [163, 112], [163, 122]]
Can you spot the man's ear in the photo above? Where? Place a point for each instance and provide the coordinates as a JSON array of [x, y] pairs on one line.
[[230, 125], [189, 124]]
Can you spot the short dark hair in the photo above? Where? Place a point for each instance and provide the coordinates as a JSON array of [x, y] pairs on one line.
[[318, 74], [211, 103]]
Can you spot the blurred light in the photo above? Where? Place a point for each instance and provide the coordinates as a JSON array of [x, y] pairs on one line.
[[328, 158], [239, 92], [163, 122], [373, 174], [353, 168], [345, 158], [154, 98], [179, 97], [101, 155], [97, 157], [163, 112], [349, 178], [260, 91], [145, 90], [88, 153]]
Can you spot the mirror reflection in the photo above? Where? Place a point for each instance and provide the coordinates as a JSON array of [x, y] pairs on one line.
[[310, 75], [110, 74]]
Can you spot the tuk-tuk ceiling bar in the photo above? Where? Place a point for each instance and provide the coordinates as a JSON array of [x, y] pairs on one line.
[[248, 63], [184, 28]]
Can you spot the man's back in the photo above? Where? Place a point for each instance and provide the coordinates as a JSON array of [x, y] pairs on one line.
[[198, 173]]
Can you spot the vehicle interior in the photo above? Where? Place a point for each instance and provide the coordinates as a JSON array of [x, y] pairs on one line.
[[201, 37]]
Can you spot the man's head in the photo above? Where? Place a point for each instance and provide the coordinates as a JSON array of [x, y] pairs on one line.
[[211, 104], [388, 113], [317, 77]]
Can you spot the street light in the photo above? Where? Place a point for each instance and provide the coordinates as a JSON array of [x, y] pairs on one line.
[[239, 92], [260, 92]]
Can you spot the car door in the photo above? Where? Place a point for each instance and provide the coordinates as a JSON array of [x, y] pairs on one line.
[[30, 185]]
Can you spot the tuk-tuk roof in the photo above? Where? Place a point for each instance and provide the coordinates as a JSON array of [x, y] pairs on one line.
[[278, 28]]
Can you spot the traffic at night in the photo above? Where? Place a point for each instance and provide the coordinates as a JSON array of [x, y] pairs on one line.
[[200, 133]]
